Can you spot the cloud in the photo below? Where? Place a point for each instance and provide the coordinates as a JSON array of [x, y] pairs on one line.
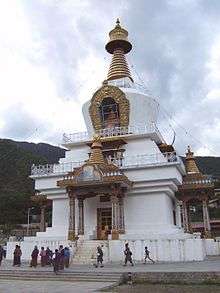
[[52, 60]]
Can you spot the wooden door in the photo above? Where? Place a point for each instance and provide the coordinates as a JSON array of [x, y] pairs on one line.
[[104, 223]]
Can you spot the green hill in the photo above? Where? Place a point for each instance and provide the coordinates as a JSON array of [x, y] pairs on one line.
[[15, 186]]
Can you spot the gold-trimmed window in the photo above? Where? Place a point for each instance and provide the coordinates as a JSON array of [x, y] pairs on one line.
[[109, 108], [109, 111]]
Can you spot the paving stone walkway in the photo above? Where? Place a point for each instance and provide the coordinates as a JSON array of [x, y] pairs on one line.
[[211, 264], [24, 286]]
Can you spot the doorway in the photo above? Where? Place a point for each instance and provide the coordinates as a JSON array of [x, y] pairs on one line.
[[104, 223]]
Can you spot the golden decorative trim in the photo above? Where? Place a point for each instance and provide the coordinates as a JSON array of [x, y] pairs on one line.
[[104, 92], [71, 235], [118, 67]]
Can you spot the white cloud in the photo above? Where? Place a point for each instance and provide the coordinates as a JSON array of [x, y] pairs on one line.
[[52, 59]]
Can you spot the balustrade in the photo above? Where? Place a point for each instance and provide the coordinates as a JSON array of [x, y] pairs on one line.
[[109, 132], [126, 162]]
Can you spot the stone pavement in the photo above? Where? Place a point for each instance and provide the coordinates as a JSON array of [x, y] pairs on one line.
[[30, 286], [208, 265], [42, 280]]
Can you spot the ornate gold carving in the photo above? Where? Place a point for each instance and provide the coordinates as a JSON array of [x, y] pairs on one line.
[[119, 97]]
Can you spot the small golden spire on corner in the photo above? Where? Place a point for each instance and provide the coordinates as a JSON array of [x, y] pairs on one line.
[[191, 166]]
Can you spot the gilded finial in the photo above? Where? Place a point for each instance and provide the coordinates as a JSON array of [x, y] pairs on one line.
[[191, 166], [118, 45]]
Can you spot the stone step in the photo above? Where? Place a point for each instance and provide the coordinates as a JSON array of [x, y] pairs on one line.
[[85, 250], [70, 276]]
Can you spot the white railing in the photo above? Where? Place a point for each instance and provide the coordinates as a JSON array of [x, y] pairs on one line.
[[126, 162], [50, 169], [109, 132]]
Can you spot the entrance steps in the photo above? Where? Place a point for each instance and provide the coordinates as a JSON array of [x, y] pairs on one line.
[[62, 276], [86, 252]]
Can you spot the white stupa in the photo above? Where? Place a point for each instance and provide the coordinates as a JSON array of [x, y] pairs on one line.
[[118, 180]]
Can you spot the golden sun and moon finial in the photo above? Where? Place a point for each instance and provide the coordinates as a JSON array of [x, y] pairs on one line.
[[118, 45]]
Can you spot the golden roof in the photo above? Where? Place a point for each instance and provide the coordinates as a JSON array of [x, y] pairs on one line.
[[96, 156], [96, 171], [194, 179], [118, 45]]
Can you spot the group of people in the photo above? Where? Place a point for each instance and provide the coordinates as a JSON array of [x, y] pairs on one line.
[[127, 253], [17, 256], [59, 259]]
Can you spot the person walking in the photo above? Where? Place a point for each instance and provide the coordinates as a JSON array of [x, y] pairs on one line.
[[71, 253], [128, 255], [99, 257], [66, 257], [56, 261], [17, 256], [43, 257], [1, 254], [61, 256], [34, 256], [147, 255], [49, 255]]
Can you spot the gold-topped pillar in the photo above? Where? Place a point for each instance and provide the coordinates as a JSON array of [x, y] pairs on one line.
[[115, 232], [72, 223], [121, 226], [81, 216]]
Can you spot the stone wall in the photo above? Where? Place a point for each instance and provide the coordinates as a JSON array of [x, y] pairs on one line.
[[169, 250]]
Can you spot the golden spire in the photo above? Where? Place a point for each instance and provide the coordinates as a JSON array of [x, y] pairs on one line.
[[191, 166], [96, 156], [118, 45]]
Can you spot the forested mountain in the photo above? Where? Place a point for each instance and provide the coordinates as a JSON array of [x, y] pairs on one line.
[[16, 187], [50, 152]]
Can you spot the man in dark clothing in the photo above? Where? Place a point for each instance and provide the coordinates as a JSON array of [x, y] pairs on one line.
[[56, 261], [1, 254], [43, 256], [17, 256], [34, 256], [128, 255], [147, 255], [61, 263], [99, 257], [49, 255]]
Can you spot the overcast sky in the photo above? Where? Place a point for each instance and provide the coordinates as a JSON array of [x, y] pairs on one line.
[[52, 58]]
